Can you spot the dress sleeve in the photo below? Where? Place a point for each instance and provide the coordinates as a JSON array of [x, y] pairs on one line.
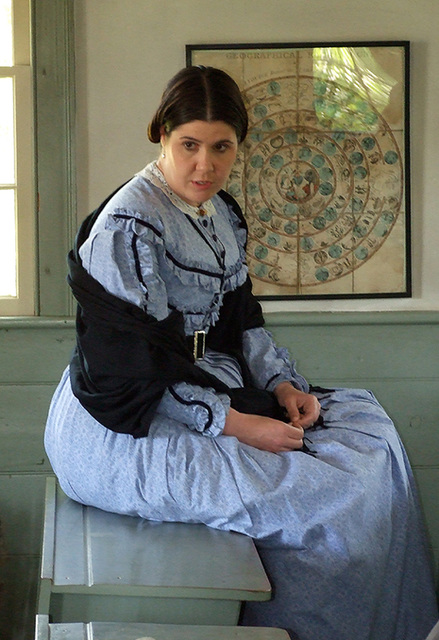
[[269, 365], [200, 409], [123, 257]]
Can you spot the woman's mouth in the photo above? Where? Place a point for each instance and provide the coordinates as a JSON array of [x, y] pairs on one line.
[[202, 183]]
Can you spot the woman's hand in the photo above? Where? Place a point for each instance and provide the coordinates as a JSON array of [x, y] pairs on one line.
[[302, 408], [268, 434], [263, 433]]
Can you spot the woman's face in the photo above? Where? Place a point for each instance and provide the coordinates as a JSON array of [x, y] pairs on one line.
[[198, 158]]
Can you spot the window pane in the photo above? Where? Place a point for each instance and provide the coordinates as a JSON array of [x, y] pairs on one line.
[[7, 155], [8, 253], [6, 56]]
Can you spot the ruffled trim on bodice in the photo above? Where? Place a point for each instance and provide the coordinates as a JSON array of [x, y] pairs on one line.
[[186, 252]]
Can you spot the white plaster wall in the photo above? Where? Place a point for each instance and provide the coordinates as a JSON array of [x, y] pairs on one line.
[[127, 49]]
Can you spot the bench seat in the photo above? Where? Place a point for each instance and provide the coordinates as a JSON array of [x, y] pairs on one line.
[[113, 568], [141, 631]]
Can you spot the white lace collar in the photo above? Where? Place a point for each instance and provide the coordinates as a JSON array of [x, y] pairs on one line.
[[153, 174]]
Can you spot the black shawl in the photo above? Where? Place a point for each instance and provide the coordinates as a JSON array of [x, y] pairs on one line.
[[125, 359]]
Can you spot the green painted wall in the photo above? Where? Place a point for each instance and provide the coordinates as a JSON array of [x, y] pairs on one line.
[[393, 354]]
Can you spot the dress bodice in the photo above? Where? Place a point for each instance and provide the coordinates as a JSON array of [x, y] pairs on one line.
[[144, 248]]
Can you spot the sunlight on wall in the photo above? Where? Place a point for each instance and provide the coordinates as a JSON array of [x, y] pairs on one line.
[[347, 81]]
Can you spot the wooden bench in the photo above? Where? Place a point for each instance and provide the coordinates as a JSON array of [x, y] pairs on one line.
[[139, 631], [113, 568]]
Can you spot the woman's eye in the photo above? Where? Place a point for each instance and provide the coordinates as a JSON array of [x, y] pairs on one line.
[[189, 145]]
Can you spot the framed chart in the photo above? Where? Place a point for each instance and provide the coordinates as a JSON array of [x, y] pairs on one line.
[[323, 175]]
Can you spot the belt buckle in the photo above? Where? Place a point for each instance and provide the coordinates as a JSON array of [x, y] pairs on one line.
[[199, 344]]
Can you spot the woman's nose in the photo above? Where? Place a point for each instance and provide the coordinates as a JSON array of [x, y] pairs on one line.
[[204, 160]]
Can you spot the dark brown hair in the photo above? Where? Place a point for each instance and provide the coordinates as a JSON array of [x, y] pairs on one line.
[[199, 93]]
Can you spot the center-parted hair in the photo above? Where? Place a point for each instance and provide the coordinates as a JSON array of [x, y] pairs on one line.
[[200, 93]]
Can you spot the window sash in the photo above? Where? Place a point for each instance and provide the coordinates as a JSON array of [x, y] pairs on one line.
[[23, 302]]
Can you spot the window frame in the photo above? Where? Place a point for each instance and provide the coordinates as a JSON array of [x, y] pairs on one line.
[[49, 224], [21, 73], [54, 83]]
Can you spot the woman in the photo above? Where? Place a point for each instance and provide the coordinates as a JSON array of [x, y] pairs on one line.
[[177, 405]]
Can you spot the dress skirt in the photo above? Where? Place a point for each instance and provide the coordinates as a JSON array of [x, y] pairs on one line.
[[339, 532]]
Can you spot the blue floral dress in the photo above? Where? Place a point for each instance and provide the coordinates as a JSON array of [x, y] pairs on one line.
[[340, 532]]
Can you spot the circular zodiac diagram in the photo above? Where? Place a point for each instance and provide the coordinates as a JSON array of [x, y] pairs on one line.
[[319, 201]]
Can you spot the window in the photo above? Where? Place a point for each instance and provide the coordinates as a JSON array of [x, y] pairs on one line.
[[17, 216]]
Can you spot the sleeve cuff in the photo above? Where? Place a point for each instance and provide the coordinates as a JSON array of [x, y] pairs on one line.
[[200, 409]]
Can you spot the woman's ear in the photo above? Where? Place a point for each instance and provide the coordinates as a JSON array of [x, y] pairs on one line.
[[162, 136]]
